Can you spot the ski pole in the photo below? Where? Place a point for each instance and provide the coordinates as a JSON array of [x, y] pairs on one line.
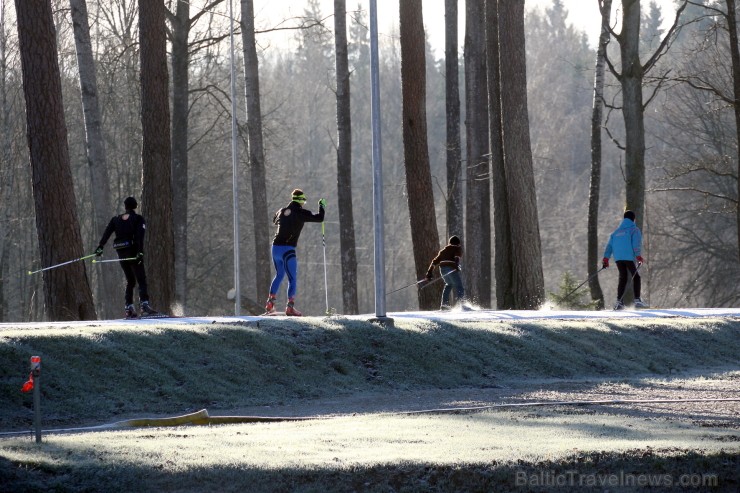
[[59, 265], [113, 260], [326, 284], [419, 282], [579, 286]]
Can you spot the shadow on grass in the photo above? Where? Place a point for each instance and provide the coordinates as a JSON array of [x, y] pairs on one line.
[[635, 470], [97, 375]]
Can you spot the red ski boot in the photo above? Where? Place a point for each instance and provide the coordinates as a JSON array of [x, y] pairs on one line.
[[290, 309]]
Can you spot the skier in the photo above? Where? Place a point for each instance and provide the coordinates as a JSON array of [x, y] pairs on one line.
[[289, 221], [129, 244], [448, 260], [625, 243]]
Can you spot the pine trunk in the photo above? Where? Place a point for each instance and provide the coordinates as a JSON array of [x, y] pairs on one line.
[[156, 155], [344, 163], [528, 280], [424, 236], [67, 293]]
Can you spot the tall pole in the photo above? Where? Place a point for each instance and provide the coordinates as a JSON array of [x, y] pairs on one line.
[[234, 168], [377, 166]]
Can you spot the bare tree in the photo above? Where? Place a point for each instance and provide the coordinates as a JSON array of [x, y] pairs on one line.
[[262, 262], [96, 158], [66, 289], [424, 236], [631, 79], [156, 152], [344, 162], [455, 204], [735, 57], [597, 117], [181, 24], [528, 280], [477, 200]]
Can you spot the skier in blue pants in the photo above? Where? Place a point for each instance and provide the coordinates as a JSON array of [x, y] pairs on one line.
[[289, 220]]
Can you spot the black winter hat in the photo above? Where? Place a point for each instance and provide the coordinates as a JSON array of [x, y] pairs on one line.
[[629, 215], [454, 240], [130, 203]]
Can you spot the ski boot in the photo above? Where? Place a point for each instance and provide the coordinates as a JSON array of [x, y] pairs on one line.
[[130, 311], [290, 309], [146, 309], [641, 304], [270, 305], [619, 305], [445, 308]]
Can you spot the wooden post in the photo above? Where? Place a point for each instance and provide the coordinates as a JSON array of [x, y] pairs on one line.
[[36, 372]]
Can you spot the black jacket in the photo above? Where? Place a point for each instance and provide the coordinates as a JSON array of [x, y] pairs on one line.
[[290, 220], [129, 232]]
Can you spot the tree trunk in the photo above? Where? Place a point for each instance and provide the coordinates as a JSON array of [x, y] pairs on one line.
[[108, 286], [156, 152], [735, 57], [262, 256], [528, 287], [595, 184], [424, 236], [180, 106], [502, 252], [632, 108], [344, 163], [477, 190], [66, 289], [455, 224]]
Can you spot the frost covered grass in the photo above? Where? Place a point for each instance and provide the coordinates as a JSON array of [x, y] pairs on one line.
[[100, 374]]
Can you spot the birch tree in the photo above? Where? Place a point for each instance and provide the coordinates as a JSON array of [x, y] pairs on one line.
[[597, 117], [108, 289]]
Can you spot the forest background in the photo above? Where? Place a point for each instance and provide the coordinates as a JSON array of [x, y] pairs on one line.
[[691, 197]]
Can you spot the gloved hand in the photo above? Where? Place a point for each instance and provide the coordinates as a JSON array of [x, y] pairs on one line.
[[322, 202], [428, 277], [640, 260], [605, 263], [99, 251], [140, 257]]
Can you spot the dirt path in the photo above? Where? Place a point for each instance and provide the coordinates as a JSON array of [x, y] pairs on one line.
[[710, 385]]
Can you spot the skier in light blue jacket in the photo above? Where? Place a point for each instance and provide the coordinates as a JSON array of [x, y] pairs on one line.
[[625, 243]]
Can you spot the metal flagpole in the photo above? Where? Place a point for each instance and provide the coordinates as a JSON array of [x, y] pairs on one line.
[[378, 217], [234, 168]]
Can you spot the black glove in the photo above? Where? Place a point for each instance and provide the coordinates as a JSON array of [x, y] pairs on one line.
[[428, 277], [99, 250], [140, 257]]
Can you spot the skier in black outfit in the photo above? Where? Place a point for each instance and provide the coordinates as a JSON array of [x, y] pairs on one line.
[[289, 220], [129, 244]]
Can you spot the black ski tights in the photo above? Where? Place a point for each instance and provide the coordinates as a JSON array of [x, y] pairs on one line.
[[628, 269]]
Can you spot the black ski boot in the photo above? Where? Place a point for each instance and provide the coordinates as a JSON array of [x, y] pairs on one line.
[[147, 310], [130, 311]]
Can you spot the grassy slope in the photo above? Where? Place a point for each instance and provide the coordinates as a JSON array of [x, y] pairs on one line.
[[102, 374], [105, 374]]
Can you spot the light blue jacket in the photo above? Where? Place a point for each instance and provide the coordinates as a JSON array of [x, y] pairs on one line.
[[625, 242]]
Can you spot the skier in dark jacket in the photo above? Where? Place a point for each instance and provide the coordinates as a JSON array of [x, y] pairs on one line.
[[289, 220], [448, 260], [129, 244], [625, 243]]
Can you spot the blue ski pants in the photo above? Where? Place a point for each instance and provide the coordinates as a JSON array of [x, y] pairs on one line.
[[285, 261]]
